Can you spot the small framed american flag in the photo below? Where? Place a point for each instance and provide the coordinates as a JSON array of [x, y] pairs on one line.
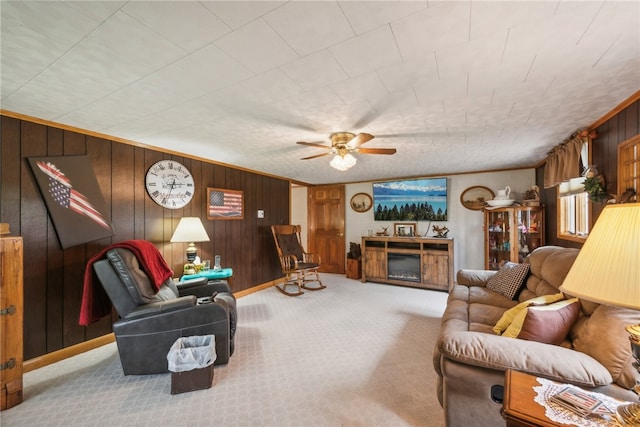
[[224, 204]]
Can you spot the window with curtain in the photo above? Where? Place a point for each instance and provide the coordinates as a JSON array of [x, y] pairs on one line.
[[573, 208], [563, 170]]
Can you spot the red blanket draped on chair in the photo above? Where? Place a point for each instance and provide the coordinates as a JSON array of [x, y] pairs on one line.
[[95, 302]]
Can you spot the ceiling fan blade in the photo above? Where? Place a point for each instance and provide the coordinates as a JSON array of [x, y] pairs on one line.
[[384, 104], [367, 118], [360, 139], [313, 157], [314, 144], [377, 150], [269, 115]]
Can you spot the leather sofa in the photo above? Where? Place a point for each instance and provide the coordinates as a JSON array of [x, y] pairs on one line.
[[469, 357], [151, 321]]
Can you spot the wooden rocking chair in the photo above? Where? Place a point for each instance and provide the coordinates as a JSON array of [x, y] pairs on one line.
[[300, 268]]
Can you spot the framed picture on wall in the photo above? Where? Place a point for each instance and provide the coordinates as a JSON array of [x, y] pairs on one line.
[[75, 203], [224, 204], [361, 202], [475, 198]]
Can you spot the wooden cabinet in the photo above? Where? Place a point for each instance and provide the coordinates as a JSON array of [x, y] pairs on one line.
[[511, 233], [374, 260], [11, 306], [435, 271], [421, 262]]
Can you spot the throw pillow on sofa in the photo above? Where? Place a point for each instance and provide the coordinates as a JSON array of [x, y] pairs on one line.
[[549, 324], [603, 337], [509, 279], [509, 315]]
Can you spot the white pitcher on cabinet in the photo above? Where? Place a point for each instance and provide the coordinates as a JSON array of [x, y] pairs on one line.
[[503, 194]]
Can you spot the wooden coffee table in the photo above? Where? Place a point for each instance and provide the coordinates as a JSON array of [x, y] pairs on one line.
[[519, 408]]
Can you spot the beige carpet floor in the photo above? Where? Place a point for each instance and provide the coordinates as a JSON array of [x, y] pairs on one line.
[[353, 354]]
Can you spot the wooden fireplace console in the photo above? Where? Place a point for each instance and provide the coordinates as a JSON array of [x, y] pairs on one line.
[[430, 261]]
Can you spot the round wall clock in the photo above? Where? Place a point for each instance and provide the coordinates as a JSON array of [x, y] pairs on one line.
[[361, 202], [169, 184]]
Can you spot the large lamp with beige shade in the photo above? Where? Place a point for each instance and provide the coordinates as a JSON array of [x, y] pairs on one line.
[[607, 271], [190, 230]]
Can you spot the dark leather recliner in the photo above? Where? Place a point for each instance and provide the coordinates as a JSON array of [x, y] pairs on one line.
[[150, 322]]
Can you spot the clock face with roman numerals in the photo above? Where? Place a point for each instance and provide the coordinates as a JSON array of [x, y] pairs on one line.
[[169, 184]]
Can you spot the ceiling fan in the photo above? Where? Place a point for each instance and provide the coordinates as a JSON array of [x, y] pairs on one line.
[[342, 145]]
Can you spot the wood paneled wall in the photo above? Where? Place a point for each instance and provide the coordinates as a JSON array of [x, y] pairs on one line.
[[53, 277], [610, 132]]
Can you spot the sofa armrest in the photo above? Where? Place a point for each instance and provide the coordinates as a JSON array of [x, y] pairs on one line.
[[469, 277], [544, 360], [161, 307]]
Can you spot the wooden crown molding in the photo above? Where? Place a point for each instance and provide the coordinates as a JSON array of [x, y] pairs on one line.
[[100, 135]]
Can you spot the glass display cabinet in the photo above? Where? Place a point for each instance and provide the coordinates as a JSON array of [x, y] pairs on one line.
[[511, 233]]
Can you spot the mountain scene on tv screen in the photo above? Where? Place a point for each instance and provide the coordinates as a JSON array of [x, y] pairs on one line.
[[410, 200]]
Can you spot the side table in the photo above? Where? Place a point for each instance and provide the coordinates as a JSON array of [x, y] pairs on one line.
[[519, 407], [224, 273]]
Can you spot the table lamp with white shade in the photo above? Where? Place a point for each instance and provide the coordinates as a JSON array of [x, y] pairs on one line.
[[190, 230], [607, 271]]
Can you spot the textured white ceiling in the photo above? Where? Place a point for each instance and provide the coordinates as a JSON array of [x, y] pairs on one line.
[[453, 86]]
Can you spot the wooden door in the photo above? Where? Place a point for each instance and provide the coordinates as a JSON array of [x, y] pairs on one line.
[[326, 209]]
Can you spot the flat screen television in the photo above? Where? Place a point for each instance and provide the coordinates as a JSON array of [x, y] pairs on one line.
[[410, 200]]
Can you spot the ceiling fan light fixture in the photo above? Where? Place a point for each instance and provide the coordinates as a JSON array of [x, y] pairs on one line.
[[344, 162], [342, 145]]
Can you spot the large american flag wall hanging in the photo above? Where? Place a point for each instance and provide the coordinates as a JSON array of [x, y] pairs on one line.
[[70, 190]]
